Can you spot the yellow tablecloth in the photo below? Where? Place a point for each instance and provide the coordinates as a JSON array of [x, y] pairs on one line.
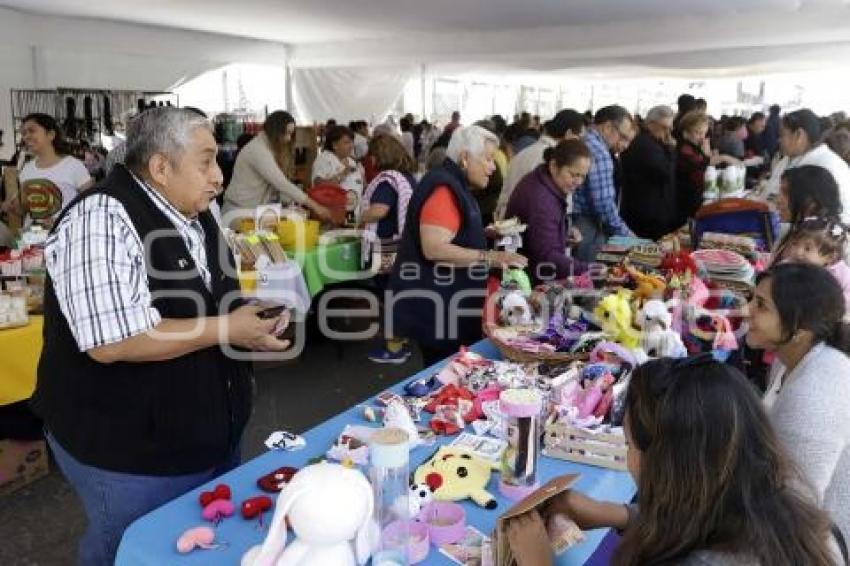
[[19, 352]]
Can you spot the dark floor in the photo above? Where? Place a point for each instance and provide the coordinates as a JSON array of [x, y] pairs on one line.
[[41, 523]]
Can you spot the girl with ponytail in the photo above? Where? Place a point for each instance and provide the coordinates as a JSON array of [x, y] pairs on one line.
[[798, 313]]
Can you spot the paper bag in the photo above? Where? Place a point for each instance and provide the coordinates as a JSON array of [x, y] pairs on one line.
[[502, 555]]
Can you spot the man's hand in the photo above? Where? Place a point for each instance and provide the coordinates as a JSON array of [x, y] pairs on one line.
[[246, 330], [508, 259]]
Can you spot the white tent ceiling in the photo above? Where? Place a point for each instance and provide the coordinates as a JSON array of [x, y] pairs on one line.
[[621, 36]]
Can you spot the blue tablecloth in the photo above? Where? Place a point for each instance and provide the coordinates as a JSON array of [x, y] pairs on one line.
[[151, 539]]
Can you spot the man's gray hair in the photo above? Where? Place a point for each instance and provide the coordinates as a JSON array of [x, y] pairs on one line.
[[164, 130], [659, 113], [472, 139]]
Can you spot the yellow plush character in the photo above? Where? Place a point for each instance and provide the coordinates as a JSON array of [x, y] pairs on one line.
[[454, 474], [614, 313]]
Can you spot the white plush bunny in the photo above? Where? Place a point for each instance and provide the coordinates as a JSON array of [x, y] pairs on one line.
[[658, 339], [328, 505]]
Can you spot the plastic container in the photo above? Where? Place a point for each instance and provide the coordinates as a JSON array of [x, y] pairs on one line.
[[388, 473], [298, 235], [520, 409]]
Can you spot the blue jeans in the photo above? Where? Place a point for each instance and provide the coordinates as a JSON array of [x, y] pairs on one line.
[[593, 237], [114, 500]]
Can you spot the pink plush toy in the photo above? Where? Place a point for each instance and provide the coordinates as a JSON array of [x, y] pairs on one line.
[[198, 537], [218, 510], [595, 395]]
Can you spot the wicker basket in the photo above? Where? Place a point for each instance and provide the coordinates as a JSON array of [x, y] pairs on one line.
[[520, 356], [603, 449]]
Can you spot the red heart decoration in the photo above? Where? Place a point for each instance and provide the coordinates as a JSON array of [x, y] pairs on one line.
[[255, 506], [270, 482], [221, 491]]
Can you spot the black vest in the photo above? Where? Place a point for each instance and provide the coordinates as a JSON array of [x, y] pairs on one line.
[[160, 418], [417, 316]]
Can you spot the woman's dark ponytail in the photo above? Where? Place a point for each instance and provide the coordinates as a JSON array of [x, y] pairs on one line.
[[840, 337]]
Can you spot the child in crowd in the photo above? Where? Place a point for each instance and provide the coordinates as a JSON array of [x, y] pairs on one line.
[[820, 241]]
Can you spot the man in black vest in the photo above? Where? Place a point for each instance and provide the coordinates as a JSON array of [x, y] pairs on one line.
[[140, 384]]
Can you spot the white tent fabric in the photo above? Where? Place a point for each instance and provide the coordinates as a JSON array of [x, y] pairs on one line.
[[39, 51], [349, 59], [347, 93]]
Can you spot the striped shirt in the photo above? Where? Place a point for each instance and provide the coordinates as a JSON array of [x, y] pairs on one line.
[[95, 259]]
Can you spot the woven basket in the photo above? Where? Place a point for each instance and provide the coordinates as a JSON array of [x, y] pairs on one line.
[[520, 356]]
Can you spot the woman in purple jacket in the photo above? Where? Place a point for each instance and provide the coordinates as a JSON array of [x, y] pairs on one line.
[[541, 200]]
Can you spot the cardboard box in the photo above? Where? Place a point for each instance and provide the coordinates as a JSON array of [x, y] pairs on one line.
[[21, 463]]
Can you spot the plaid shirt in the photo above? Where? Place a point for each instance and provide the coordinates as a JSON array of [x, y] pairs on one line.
[[96, 261], [597, 197]]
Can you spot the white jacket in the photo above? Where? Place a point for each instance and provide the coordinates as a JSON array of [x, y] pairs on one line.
[[820, 156]]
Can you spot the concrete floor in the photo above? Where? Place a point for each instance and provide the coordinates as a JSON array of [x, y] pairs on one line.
[[41, 523]]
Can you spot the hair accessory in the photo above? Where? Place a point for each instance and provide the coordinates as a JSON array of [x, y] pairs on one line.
[[282, 440], [218, 510], [221, 491], [198, 537], [276, 480], [255, 507]]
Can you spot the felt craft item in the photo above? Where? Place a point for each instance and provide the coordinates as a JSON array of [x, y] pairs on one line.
[[420, 387], [221, 491], [449, 395], [275, 481], [218, 510], [446, 522], [457, 474], [198, 537], [255, 506]]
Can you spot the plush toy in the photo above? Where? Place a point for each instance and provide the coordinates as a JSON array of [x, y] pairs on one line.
[[713, 330], [658, 339], [516, 279], [646, 286], [515, 309], [421, 495], [328, 506], [614, 314], [455, 474]]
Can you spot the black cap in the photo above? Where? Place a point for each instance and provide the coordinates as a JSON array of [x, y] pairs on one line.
[[806, 120], [563, 122]]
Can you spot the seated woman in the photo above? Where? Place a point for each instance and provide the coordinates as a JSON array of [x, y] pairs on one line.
[[440, 274], [797, 313], [540, 201], [336, 165], [260, 172], [715, 486]]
